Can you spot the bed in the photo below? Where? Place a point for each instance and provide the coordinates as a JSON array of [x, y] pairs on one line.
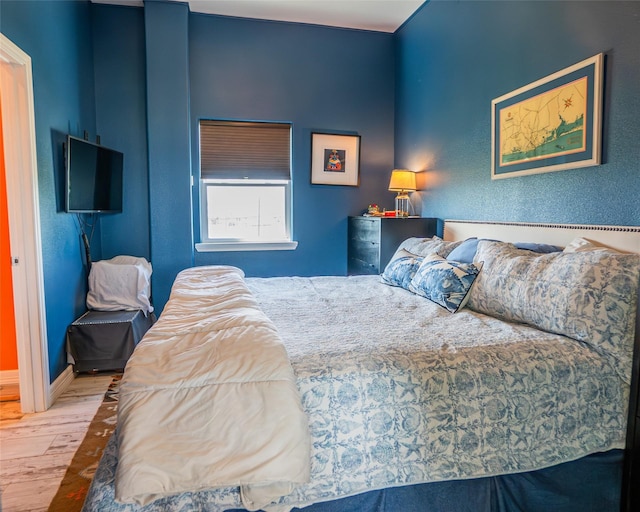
[[360, 393]]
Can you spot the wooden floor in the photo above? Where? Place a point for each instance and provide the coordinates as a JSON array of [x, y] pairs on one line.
[[35, 449], [9, 392]]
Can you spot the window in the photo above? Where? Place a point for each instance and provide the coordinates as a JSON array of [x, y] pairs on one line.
[[245, 185]]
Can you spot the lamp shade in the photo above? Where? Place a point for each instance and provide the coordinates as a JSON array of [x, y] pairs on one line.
[[402, 180]]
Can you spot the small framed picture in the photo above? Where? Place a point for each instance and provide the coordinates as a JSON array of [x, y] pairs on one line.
[[335, 159]]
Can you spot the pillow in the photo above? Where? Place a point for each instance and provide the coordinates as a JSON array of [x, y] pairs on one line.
[[582, 244], [401, 269], [447, 283], [465, 252], [589, 296], [540, 248], [426, 246]]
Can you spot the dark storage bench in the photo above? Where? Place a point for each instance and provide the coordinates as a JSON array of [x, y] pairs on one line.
[[104, 340]]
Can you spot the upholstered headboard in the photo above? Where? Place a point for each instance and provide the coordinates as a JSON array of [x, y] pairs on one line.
[[622, 238]]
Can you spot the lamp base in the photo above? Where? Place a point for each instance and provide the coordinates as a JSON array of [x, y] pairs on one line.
[[402, 204]]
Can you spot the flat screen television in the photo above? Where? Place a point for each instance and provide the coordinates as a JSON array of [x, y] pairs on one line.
[[93, 177]]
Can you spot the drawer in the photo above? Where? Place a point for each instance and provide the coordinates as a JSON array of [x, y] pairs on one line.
[[364, 229], [364, 249], [358, 266]]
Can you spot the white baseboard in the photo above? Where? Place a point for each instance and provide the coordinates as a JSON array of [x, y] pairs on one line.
[[8, 377], [60, 385]]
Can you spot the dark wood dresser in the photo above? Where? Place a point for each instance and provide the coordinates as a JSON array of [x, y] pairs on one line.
[[373, 240]]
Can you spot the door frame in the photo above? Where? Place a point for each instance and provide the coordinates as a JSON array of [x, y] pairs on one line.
[[18, 119]]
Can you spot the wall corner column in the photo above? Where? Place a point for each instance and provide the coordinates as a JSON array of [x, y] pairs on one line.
[[169, 146]]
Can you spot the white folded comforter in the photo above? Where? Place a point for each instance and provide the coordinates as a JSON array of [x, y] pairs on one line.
[[209, 399]]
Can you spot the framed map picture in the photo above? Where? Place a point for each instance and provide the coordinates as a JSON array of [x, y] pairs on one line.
[[335, 159], [552, 124]]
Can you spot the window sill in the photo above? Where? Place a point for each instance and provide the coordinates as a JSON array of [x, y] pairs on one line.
[[245, 246]]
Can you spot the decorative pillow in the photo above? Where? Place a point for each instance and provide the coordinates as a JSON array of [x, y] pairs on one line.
[[445, 282], [589, 296], [540, 248], [582, 244], [401, 269], [425, 246], [465, 252]]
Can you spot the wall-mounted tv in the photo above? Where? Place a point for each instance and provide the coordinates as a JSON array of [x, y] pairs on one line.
[[93, 177]]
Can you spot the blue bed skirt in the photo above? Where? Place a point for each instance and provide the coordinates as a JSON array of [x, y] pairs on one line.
[[590, 484]]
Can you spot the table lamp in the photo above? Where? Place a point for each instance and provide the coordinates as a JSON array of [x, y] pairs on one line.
[[402, 181]]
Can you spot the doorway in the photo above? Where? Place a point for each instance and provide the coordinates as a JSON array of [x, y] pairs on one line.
[[19, 145], [8, 347]]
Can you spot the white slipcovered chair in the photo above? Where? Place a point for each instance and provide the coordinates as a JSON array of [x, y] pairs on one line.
[[122, 283]]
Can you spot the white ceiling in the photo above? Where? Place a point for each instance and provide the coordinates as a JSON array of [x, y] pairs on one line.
[[378, 15]]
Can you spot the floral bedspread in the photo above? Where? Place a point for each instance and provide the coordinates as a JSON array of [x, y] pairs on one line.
[[399, 391]]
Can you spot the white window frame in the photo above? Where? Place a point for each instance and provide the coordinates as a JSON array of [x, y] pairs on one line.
[[238, 244], [232, 156]]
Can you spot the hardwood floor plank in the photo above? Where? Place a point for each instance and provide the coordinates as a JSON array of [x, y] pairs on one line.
[[73, 424], [36, 449], [28, 469], [32, 446], [9, 392], [66, 443], [29, 497]]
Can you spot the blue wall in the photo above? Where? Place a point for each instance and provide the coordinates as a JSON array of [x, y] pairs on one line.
[[121, 121], [57, 37], [453, 58], [167, 43], [319, 79]]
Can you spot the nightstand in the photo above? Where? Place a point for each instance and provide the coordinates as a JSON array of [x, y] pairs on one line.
[[373, 240]]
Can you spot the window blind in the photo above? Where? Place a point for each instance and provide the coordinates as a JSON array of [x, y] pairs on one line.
[[238, 150]]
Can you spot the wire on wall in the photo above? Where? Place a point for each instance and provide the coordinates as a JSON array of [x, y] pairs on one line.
[[87, 224]]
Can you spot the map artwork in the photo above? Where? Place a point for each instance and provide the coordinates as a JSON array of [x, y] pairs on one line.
[[547, 125]]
